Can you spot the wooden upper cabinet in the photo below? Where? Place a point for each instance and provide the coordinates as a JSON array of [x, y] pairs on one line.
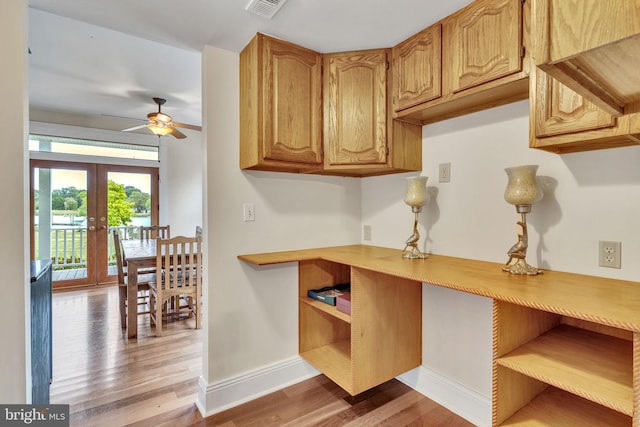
[[593, 47], [355, 108], [563, 121], [471, 60], [486, 42], [280, 106], [295, 117], [560, 110], [417, 68]]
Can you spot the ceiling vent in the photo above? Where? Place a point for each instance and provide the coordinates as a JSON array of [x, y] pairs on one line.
[[265, 8]]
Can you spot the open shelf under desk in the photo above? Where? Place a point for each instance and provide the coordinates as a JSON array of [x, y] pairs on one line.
[[555, 408], [333, 360], [330, 309], [588, 364]]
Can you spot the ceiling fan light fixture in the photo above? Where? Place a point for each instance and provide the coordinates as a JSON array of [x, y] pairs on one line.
[[161, 124], [162, 117], [158, 129]]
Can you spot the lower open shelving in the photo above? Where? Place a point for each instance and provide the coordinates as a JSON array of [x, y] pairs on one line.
[[554, 370], [381, 339], [588, 364], [333, 360], [555, 408], [329, 309]]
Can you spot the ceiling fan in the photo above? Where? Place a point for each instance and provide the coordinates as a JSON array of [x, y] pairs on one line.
[[161, 124]]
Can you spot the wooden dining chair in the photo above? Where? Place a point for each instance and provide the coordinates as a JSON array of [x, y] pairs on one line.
[[143, 282], [155, 232], [180, 259], [148, 232]]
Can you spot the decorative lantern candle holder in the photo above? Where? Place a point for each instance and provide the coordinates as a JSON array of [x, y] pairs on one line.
[[416, 197], [522, 191]]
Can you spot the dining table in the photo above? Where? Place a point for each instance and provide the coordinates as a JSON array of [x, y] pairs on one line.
[[137, 254]]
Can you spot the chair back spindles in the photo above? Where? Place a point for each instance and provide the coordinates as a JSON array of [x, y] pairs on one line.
[[148, 232], [179, 266]]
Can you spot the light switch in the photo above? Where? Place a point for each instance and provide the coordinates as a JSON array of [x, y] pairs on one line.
[[249, 213]]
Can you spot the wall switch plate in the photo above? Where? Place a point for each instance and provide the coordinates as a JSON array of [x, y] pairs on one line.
[[609, 254], [248, 212], [366, 232], [444, 172]]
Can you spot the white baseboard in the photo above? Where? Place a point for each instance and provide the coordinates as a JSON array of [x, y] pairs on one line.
[[225, 394], [468, 404]]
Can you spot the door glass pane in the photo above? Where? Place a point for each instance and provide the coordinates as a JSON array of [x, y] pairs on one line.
[[60, 220], [128, 207]]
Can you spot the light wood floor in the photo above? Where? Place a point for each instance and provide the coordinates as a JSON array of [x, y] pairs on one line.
[[110, 381]]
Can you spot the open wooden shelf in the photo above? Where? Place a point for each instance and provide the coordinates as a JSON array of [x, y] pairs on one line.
[[333, 360], [330, 309], [594, 366], [555, 408], [381, 339]]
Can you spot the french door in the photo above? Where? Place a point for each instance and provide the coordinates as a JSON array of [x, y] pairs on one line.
[[74, 207]]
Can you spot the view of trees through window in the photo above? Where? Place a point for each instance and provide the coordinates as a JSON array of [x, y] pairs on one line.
[[124, 202]]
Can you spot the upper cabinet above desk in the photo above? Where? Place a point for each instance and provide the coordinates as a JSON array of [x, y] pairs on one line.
[[287, 125], [280, 106], [473, 59], [361, 113], [593, 47], [562, 121]]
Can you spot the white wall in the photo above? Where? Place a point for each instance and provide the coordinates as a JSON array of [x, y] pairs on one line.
[[588, 197], [15, 368], [181, 183], [252, 312]]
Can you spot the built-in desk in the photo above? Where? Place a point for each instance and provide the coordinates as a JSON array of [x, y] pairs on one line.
[[565, 346]]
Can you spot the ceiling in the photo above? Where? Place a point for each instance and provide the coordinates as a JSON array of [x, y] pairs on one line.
[[97, 59]]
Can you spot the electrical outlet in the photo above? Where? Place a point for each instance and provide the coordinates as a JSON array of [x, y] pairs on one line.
[[609, 254], [248, 212], [444, 172], [366, 232]]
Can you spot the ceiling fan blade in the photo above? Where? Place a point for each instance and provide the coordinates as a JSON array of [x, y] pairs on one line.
[[134, 128], [183, 125], [176, 133], [122, 117]]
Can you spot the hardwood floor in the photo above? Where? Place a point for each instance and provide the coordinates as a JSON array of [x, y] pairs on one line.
[[109, 381]]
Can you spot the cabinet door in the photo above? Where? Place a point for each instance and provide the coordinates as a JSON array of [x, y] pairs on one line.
[[292, 103], [487, 42], [560, 110], [417, 64], [355, 86]]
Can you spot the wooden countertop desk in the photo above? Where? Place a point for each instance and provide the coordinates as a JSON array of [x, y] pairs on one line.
[[566, 347], [607, 301]]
